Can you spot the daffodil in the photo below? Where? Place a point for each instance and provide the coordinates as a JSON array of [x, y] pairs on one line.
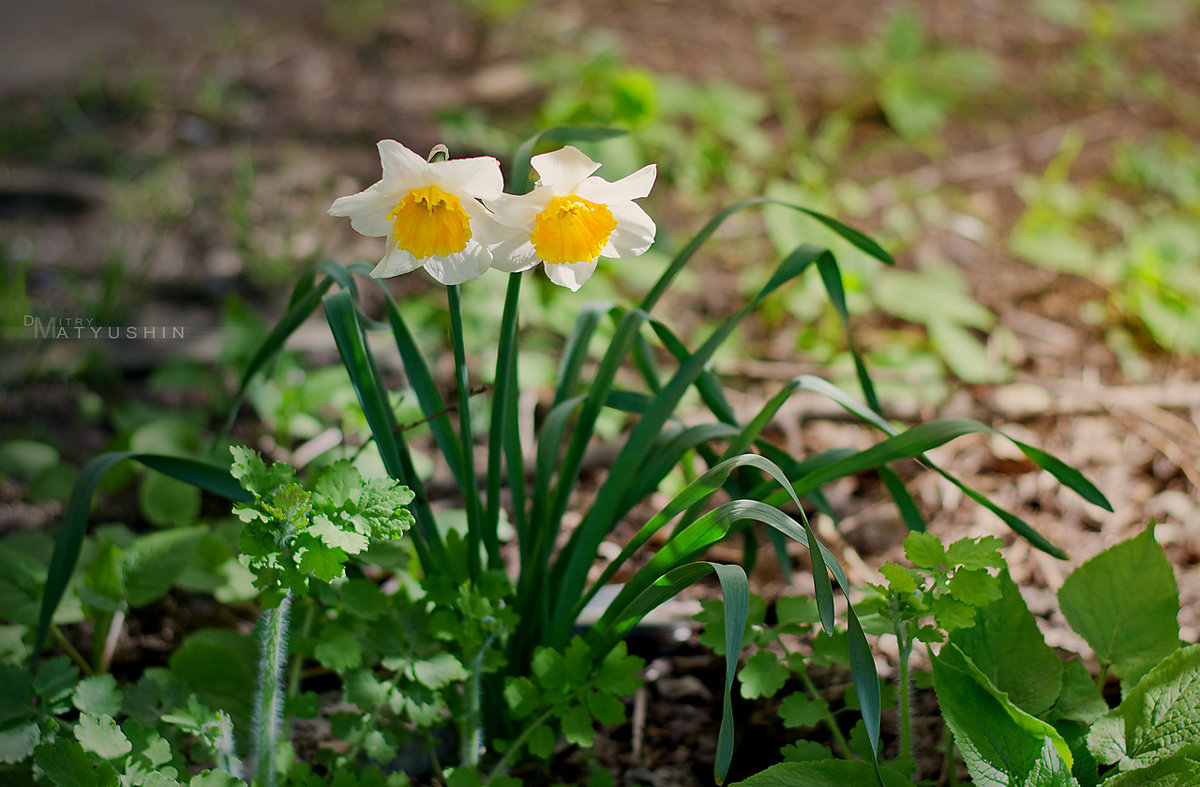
[[429, 212], [572, 218]]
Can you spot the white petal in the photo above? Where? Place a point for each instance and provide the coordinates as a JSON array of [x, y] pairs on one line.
[[633, 186], [563, 170], [469, 264], [402, 168], [479, 177], [485, 228], [519, 211], [570, 274], [634, 233], [396, 262], [367, 210], [514, 254]]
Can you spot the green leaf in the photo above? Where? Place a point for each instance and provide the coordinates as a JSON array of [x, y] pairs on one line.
[[1159, 718], [324, 563], [218, 672], [620, 672], [822, 773], [541, 742], [17, 740], [1171, 772], [797, 710], [1007, 646], [1080, 699], [214, 778], [64, 763], [924, 550], [98, 695], [975, 587], [1125, 603], [605, 707], [805, 751], [975, 553], [101, 736], [335, 537], [440, 670], [338, 648], [521, 696], [16, 693], [951, 614], [363, 598], [167, 502], [1001, 744], [577, 726], [55, 682], [901, 580], [762, 676], [154, 562]]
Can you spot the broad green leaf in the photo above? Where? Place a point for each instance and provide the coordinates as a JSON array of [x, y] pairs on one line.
[[521, 696], [605, 707], [64, 763], [975, 553], [1160, 718], [1080, 699], [541, 742], [55, 682], [1006, 645], [167, 502], [101, 736], [1125, 603], [1171, 772], [214, 778], [924, 550], [974, 586], [1001, 744], [805, 751], [16, 693], [577, 726], [822, 773]]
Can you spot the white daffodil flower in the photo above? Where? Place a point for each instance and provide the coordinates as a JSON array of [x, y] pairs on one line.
[[429, 213], [571, 218]]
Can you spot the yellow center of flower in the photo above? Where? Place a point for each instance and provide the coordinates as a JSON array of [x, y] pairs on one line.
[[572, 229], [428, 222]]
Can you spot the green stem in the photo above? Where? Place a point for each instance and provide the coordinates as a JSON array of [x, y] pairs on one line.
[[830, 720], [470, 491], [471, 732], [903, 689], [503, 763], [268, 701], [1102, 677], [500, 426], [75, 655]]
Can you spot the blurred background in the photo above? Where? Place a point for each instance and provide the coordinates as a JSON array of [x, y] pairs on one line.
[[1032, 164]]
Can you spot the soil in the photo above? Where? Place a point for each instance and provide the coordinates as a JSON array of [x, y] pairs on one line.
[[183, 99]]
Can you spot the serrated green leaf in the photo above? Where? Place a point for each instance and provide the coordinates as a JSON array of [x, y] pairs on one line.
[[1125, 603], [974, 586], [951, 614], [324, 563], [338, 649], [924, 550], [101, 736], [541, 742], [1171, 772], [98, 695], [548, 668], [577, 726], [17, 740], [797, 710], [21, 583], [901, 580], [64, 763], [521, 696], [363, 689], [438, 671], [1160, 717], [605, 707], [1007, 646], [975, 553], [331, 535], [54, 683], [363, 598], [762, 676], [1000, 743], [805, 751], [577, 661]]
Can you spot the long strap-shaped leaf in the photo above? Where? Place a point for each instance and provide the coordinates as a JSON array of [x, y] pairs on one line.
[[570, 571], [735, 590], [209, 477], [342, 316]]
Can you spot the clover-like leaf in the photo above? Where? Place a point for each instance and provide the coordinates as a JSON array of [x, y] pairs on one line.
[[98, 695], [797, 710], [101, 736], [924, 550], [762, 676]]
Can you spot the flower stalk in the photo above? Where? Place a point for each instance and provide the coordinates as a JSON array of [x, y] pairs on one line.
[[268, 700]]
